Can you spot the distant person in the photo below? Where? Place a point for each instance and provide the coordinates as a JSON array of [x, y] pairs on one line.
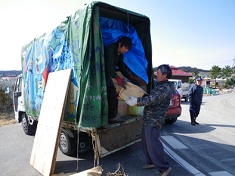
[[114, 57], [195, 95], [156, 106]]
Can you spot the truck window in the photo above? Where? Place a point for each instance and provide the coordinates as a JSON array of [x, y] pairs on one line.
[[18, 85], [180, 84], [175, 84]]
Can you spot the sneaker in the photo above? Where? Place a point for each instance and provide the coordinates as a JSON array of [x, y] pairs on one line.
[[166, 172]]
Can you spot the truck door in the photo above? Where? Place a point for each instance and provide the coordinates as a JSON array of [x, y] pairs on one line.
[[16, 94]]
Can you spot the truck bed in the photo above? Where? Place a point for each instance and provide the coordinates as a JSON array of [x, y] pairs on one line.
[[113, 137]]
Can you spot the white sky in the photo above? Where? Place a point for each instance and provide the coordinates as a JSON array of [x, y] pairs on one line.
[[196, 33]]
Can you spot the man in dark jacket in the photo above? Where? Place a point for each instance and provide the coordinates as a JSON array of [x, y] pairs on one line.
[[195, 95], [114, 58], [156, 106]]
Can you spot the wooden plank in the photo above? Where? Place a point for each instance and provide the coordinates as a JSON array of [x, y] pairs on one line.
[[46, 140], [95, 171]]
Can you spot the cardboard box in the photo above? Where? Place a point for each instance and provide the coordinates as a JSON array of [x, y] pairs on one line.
[[131, 90], [122, 108], [143, 85], [118, 88]]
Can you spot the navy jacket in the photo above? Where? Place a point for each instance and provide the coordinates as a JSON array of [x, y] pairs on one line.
[[195, 94]]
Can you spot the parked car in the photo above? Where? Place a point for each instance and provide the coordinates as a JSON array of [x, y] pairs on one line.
[[174, 110]]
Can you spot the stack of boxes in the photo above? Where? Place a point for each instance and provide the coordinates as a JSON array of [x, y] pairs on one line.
[[131, 90]]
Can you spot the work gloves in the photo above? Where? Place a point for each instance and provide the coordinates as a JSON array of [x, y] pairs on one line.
[[134, 81], [132, 101], [121, 82]]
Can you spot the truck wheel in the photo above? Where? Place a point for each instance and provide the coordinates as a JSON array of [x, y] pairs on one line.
[[67, 144], [28, 129], [171, 121]]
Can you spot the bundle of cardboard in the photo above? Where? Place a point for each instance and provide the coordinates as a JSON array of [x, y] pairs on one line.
[[131, 90]]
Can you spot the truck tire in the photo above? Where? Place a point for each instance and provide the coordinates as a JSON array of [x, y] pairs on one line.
[[67, 144], [28, 129], [171, 121]]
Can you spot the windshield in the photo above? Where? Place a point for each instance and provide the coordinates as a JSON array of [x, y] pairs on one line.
[[175, 84]]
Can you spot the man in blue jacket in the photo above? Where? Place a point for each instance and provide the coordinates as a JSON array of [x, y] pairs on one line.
[[195, 95]]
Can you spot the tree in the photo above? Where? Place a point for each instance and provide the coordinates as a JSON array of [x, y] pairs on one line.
[[5, 99], [230, 82], [191, 80], [195, 73], [226, 72], [215, 72]]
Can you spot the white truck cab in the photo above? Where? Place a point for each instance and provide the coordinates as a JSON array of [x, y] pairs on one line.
[[18, 100], [28, 123], [182, 88]]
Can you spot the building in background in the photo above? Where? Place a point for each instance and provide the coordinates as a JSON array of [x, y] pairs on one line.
[[180, 74]]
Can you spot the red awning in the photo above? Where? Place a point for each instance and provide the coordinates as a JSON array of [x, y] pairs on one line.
[[177, 72], [180, 73]]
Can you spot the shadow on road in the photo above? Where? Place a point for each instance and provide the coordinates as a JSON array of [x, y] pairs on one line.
[[186, 127]]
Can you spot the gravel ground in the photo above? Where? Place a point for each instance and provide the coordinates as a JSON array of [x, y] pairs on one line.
[[7, 117]]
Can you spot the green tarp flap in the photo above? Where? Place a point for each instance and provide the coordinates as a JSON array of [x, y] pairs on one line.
[[76, 44], [93, 106]]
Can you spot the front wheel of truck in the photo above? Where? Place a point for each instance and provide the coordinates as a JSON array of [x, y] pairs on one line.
[[67, 144], [28, 129]]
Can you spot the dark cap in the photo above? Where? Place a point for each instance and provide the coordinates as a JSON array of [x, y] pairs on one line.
[[199, 79]]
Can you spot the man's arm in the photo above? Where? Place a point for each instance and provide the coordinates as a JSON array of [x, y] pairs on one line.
[[125, 73], [190, 93], [123, 69], [156, 97]]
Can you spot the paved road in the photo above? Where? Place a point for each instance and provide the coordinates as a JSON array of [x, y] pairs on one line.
[[210, 146], [205, 149]]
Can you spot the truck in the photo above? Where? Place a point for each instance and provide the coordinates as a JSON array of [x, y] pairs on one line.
[[182, 88], [78, 44]]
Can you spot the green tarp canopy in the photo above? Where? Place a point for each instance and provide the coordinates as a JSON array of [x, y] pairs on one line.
[[77, 43]]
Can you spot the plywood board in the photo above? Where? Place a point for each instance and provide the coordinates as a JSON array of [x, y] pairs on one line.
[[43, 156], [131, 90], [95, 171]]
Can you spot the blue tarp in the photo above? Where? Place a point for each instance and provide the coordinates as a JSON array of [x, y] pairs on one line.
[[135, 59]]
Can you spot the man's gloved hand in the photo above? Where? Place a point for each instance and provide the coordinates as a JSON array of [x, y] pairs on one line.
[[134, 81], [121, 82], [132, 101]]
